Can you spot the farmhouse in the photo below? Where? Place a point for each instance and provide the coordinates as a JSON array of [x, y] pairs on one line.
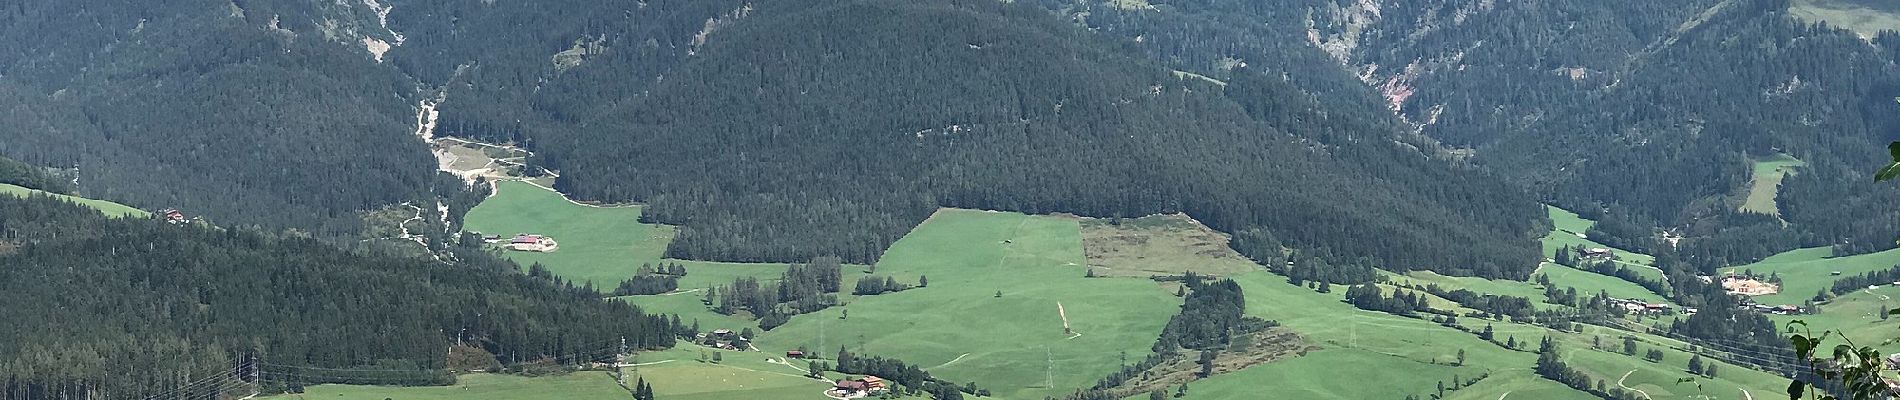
[[1596, 252], [171, 215], [868, 384], [538, 243], [794, 354], [1748, 286]]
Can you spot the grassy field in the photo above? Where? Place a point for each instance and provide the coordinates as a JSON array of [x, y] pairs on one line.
[[1357, 337], [959, 330], [604, 245], [1806, 271], [1865, 17], [678, 374], [1854, 315], [1766, 181], [1159, 245], [578, 385], [1589, 283], [1327, 374], [1517, 384], [703, 274], [1569, 230], [107, 207]]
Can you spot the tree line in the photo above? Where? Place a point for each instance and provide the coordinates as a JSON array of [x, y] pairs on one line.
[[127, 306]]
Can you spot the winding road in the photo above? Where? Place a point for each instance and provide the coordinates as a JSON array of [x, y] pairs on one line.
[[1626, 375]]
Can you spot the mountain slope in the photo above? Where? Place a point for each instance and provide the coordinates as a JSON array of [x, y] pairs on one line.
[[109, 307], [834, 128], [253, 113]]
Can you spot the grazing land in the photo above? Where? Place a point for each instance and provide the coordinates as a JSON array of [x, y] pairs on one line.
[[1767, 181], [1569, 230], [1865, 17], [1590, 283], [960, 330], [589, 385], [107, 207], [1158, 245], [1856, 315], [1804, 272], [602, 245], [678, 373]]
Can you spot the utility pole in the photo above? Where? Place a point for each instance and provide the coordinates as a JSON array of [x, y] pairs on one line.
[[1049, 371]]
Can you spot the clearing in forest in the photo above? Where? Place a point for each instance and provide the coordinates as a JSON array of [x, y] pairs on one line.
[[107, 207], [1158, 245], [1767, 181], [1864, 17], [1571, 230], [576, 385], [603, 245], [1014, 343]]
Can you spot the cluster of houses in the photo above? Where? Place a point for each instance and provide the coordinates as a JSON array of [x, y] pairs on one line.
[[1634, 306], [1596, 253], [865, 385], [1748, 286], [1783, 309], [724, 339], [524, 242]]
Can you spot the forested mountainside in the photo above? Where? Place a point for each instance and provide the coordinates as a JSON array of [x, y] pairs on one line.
[[1644, 114], [130, 308], [251, 112], [788, 131], [1656, 108]]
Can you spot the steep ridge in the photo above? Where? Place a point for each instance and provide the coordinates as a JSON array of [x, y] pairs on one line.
[[844, 124]]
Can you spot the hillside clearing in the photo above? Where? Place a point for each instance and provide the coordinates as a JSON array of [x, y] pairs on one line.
[[1158, 245], [1865, 17], [107, 207], [589, 385], [1762, 188], [601, 245]]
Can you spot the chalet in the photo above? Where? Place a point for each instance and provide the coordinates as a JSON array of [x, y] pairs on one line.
[[171, 215], [1596, 252], [849, 386], [794, 354], [867, 384], [1787, 309], [537, 243], [1656, 307]]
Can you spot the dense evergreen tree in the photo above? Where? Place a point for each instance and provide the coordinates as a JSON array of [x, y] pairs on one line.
[[146, 303]]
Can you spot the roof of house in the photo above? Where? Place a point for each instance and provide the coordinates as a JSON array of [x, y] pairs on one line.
[[851, 384]]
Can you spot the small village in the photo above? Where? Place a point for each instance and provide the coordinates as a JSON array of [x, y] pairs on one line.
[[524, 242]]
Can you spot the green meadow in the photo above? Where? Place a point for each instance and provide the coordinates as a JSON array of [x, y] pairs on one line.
[[960, 330], [1762, 188], [603, 245], [1355, 338], [1804, 272], [107, 207], [589, 385], [1590, 283], [1569, 230], [1865, 17], [1856, 316], [678, 373]]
